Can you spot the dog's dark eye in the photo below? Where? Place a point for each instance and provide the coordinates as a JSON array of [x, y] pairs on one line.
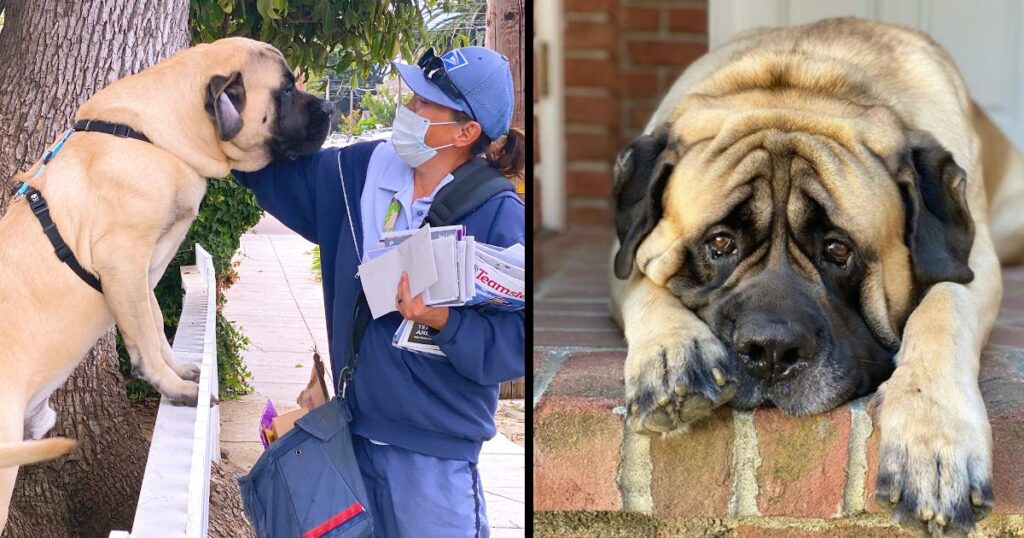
[[721, 244], [838, 252]]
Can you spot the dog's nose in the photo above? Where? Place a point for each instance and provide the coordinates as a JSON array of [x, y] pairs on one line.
[[324, 108], [773, 350]]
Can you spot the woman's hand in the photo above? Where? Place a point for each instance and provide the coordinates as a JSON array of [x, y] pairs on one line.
[[413, 308]]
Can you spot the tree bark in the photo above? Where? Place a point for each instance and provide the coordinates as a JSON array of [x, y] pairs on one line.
[[506, 33], [227, 518], [54, 54]]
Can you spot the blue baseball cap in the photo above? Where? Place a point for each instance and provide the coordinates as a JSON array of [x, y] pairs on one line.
[[484, 79]]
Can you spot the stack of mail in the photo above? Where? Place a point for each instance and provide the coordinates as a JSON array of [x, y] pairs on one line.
[[499, 276], [449, 268]]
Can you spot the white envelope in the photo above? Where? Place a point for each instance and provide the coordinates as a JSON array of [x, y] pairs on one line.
[[447, 286], [468, 268], [380, 276]]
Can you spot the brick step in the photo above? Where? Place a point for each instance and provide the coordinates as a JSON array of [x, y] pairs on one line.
[[739, 473]]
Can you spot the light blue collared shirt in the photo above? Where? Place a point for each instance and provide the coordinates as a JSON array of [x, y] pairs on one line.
[[387, 177]]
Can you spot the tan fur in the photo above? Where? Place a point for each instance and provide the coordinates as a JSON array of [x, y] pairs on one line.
[[842, 94], [29, 452], [123, 206]]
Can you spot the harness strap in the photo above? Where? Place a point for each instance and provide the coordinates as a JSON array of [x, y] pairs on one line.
[[42, 212], [116, 129]]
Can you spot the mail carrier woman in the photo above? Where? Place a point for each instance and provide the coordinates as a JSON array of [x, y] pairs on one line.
[[419, 422]]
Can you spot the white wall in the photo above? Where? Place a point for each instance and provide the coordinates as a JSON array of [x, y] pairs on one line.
[[985, 38]]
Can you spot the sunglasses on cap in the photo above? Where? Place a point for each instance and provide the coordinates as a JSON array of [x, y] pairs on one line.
[[434, 70]]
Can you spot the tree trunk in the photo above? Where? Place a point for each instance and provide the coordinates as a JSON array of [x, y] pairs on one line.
[[506, 33], [54, 54]]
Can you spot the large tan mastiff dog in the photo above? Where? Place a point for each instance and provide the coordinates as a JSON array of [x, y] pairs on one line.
[[815, 213], [124, 206]]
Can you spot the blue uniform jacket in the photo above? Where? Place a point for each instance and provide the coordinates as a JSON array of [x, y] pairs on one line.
[[443, 408]]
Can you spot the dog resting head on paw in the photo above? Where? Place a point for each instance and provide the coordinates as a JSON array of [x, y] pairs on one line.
[[797, 219], [807, 221]]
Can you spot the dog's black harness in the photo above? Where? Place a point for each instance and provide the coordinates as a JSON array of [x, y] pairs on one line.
[[116, 129], [42, 211]]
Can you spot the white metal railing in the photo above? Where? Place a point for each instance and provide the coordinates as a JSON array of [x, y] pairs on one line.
[[175, 496]]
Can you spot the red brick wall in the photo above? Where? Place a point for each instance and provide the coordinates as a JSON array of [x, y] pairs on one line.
[[620, 57]]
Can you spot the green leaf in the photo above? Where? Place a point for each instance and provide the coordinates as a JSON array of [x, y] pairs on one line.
[[264, 8], [280, 8]]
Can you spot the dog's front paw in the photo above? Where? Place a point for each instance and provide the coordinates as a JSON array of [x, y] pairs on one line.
[[673, 380], [186, 394], [189, 371], [935, 465]]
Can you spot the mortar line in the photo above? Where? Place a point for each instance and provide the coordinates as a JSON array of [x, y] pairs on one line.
[[746, 460], [635, 471], [857, 459]]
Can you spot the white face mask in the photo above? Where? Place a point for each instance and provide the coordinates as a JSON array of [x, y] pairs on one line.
[[407, 134]]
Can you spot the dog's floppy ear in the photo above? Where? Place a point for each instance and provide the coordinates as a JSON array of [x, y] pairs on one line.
[[638, 185], [225, 99], [939, 227]]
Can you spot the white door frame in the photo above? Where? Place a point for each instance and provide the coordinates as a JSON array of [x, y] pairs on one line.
[[550, 111]]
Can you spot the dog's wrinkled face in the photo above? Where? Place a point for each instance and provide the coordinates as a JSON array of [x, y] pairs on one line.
[[803, 255], [260, 114]]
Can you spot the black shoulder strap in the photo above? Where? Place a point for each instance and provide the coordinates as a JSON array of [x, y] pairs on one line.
[[360, 320], [42, 212], [473, 183]]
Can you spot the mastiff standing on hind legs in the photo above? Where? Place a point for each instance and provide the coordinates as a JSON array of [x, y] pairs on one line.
[[806, 220], [122, 192]]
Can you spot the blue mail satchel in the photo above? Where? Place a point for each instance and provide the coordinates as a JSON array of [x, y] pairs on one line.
[[307, 484]]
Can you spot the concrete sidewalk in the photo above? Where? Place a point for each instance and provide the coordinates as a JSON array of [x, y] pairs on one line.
[[279, 305]]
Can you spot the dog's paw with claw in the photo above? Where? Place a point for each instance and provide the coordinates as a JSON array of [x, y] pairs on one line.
[[935, 464], [188, 397], [673, 381]]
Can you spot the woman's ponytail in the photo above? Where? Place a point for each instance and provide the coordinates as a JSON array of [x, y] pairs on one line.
[[508, 154]]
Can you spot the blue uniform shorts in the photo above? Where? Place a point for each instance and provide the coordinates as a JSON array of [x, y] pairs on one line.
[[412, 494]]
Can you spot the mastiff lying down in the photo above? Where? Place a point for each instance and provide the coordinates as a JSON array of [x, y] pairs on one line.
[[813, 214], [123, 204]]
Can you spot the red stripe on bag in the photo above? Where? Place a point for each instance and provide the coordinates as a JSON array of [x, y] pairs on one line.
[[336, 520]]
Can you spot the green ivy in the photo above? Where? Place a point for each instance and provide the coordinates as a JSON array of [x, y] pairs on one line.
[[226, 212], [316, 264]]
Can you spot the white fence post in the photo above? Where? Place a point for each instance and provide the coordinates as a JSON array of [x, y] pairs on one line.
[[175, 496]]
